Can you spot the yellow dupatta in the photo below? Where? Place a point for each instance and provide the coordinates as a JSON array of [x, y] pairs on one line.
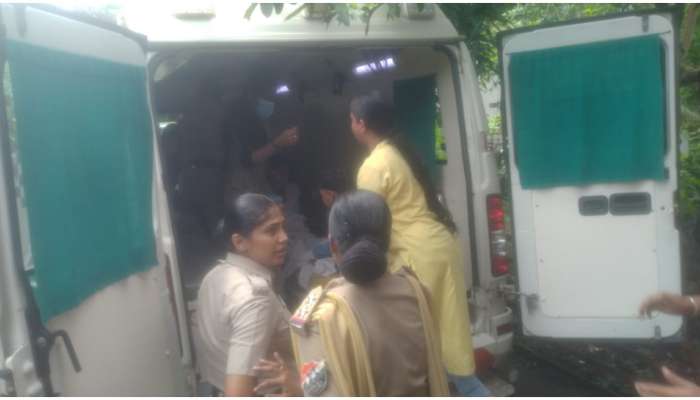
[[346, 351]]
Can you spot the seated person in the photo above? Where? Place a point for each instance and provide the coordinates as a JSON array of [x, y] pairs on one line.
[[286, 194], [332, 183]]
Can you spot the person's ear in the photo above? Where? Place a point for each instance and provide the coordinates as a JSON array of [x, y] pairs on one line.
[[240, 244]]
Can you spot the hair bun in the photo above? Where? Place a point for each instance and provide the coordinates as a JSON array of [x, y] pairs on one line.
[[363, 262]]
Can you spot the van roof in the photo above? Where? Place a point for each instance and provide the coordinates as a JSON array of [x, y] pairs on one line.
[[224, 21]]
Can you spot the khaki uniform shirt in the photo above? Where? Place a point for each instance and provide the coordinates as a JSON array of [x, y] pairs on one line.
[[239, 320], [392, 330]]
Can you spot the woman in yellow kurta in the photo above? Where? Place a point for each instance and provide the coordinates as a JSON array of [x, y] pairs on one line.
[[422, 235]]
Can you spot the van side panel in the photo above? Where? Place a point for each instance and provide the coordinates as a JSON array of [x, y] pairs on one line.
[[125, 335]]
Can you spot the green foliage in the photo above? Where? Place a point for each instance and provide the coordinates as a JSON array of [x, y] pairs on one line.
[[689, 185], [480, 24]]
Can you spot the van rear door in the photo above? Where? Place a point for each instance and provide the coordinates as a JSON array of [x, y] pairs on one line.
[[85, 193], [590, 112]]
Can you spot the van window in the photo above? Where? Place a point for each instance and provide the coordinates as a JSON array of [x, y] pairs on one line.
[[589, 113], [415, 100], [85, 150]]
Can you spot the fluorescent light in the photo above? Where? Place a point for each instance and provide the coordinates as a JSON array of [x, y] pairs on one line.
[[362, 69], [282, 89], [375, 66]]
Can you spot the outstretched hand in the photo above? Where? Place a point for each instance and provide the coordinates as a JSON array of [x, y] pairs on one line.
[[281, 376], [666, 303], [289, 137], [675, 385]]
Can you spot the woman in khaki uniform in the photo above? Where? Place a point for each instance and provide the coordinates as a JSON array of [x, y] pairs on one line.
[[368, 333], [239, 317]]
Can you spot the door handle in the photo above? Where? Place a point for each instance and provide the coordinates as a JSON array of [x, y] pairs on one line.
[[69, 348]]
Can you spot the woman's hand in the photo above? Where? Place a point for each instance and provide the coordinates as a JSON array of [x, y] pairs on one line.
[[288, 137], [280, 376], [674, 386], [667, 303]]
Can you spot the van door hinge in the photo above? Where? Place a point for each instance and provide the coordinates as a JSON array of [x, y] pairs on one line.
[[7, 377], [508, 289]]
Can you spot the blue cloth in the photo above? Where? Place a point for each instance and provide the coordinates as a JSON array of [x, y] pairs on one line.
[[469, 386], [322, 249]]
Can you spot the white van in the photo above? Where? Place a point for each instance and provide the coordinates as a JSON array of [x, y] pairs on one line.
[[82, 176]]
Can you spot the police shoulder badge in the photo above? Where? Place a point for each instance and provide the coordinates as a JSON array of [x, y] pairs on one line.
[[314, 378], [306, 309]]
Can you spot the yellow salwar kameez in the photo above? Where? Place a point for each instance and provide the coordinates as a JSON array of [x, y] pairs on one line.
[[421, 242]]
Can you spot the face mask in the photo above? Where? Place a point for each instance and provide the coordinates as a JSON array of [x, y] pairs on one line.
[[264, 108]]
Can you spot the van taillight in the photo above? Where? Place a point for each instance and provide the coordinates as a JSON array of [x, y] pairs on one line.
[[500, 263], [504, 329], [483, 360]]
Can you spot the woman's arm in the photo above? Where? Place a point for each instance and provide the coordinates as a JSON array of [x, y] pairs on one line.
[[251, 326], [670, 304], [239, 386], [288, 137]]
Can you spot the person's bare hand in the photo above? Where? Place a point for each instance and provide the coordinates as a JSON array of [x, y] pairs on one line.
[[280, 376], [667, 303], [288, 137], [674, 386]]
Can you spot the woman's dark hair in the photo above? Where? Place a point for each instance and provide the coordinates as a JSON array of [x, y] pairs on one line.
[[378, 116], [244, 214], [360, 225]]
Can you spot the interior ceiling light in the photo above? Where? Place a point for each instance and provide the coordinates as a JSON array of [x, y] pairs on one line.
[[375, 66], [282, 89]]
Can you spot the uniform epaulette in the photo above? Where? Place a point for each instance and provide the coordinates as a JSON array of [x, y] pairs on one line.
[[258, 286], [301, 317]]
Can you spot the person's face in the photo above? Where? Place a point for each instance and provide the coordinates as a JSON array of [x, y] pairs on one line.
[[328, 197], [358, 127], [267, 244]]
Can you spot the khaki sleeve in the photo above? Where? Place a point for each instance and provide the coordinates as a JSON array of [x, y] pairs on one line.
[[251, 327], [374, 179]]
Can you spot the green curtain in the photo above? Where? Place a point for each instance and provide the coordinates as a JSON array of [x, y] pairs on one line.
[[85, 150], [590, 113], [415, 102]]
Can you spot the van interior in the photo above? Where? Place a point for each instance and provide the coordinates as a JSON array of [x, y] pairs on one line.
[[310, 89]]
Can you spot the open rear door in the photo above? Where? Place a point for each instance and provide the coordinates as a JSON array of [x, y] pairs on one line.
[[590, 112], [81, 186]]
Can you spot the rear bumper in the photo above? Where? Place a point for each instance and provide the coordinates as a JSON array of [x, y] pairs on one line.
[[498, 345]]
